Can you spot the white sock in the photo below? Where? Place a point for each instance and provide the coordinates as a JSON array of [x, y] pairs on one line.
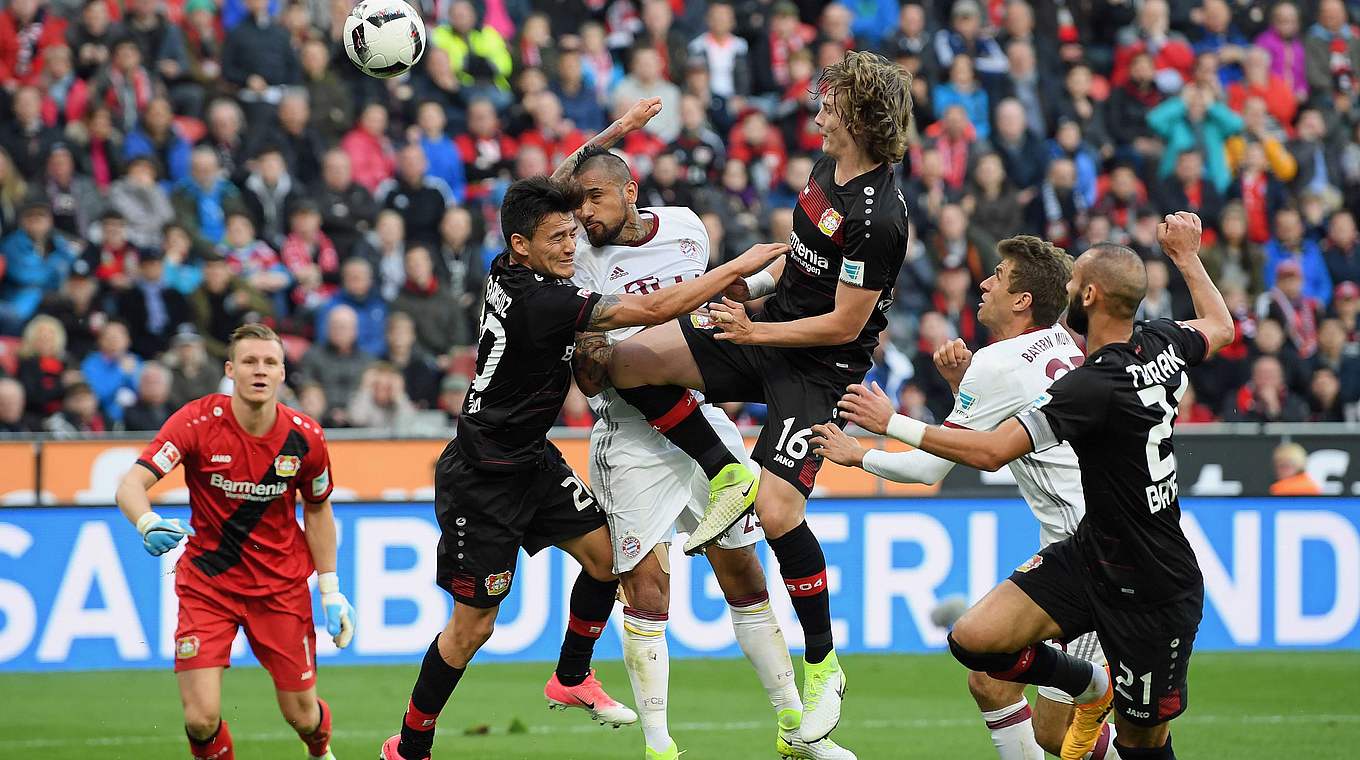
[[762, 641], [1100, 683], [648, 661], [1013, 732], [1104, 749]]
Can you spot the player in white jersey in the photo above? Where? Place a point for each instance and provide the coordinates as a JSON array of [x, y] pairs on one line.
[[1021, 304], [647, 486]]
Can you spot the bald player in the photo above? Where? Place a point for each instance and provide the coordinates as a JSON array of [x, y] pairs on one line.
[[1128, 573]]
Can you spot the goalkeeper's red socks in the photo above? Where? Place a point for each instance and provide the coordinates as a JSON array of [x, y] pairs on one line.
[[433, 688], [215, 747], [319, 739]]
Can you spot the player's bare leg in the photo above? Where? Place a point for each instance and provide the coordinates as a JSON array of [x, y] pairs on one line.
[[200, 693], [1143, 742], [1008, 716], [652, 371], [573, 684], [646, 654], [310, 716]]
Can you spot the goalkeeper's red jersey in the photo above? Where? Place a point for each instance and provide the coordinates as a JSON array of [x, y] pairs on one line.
[[243, 493]]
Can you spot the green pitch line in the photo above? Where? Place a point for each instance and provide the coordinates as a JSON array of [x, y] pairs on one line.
[[1242, 705]]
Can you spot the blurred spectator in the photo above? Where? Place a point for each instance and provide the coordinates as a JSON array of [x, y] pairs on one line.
[[486, 151], [204, 39], [478, 54], [153, 399], [992, 203], [223, 303], [441, 154], [955, 300], [1187, 190], [835, 31], [347, 208], [953, 247], [336, 360], [1291, 245], [193, 374], [162, 49], [360, 297], [1275, 157], [551, 132], [1291, 472], [112, 371], [1151, 34], [310, 257], [1157, 302], [698, 148], [452, 393], [313, 403], [27, 30], [1219, 35], [965, 36], [142, 202], [152, 309], [1283, 43], [204, 198], [26, 137], [1129, 106], [227, 138], [388, 243], [439, 322], [1122, 202], [784, 36], [740, 206], [74, 197], [1234, 260], [1272, 340], [1319, 160], [79, 413], [125, 86], [78, 307], [381, 401], [1287, 304], [576, 410], [1196, 121], [42, 364], [580, 101], [331, 101], [183, 258], [98, 146], [1189, 411], [1068, 144], [1332, 50], [419, 370], [13, 191], [1335, 354], [963, 90], [912, 400], [909, 37], [91, 38], [115, 259], [1259, 82], [644, 80], [1346, 304], [758, 145], [1058, 212], [254, 260], [1266, 398], [1341, 248], [37, 260], [258, 56], [295, 138], [372, 157], [1023, 154], [723, 52], [267, 193], [934, 332], [13, 417], [666, 187], [534, 46]]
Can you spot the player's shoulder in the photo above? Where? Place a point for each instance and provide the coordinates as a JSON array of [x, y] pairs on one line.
[[675, 215], [202, 410], [301, 422]]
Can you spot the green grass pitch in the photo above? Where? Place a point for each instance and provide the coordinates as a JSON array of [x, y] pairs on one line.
[[1243, 706]]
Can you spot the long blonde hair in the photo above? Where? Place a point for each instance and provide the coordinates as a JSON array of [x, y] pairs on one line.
[[13, 188], [28, 346]]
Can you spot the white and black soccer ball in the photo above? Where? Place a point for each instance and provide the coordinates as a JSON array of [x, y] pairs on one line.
[[384, 38]]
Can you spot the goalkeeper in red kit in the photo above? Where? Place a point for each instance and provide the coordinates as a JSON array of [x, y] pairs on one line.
[[246, 457]]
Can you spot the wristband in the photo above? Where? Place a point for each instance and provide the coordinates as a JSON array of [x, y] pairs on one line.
[[327, 583], [145, 522], [760, 284], [907, 430]]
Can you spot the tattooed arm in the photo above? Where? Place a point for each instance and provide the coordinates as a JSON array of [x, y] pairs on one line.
[[590, 363], [636, 118]]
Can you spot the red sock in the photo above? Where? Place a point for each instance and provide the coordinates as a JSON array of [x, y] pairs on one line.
[[319, 740], [216, 747]]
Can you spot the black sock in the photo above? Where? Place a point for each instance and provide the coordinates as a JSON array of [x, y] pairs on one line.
[[591, 603], [433, 687], [1163, 752], [1044, 665], [674, 413], [803, 566]]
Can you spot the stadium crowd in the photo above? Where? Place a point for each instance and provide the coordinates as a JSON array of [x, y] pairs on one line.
[[170, 170]]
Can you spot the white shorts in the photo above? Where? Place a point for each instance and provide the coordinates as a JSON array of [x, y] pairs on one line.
[[650, 489], [1085, 646]]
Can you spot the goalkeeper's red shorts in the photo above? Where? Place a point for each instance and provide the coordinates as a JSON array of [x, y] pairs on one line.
[[279, 628]]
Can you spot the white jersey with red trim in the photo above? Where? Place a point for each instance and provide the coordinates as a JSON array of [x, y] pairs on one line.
[[676, 250], [1005, 379]]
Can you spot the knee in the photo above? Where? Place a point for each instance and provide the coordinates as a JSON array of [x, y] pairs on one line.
[[647, 588], [967, 637], [1050, 736], [987, 690], [201, 722], [971, 652], [467, 634], [600, 568], [738, 571], [300, 710]]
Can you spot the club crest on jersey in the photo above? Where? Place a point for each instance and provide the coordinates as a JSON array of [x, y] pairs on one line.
[[690, 249], [1030, 564], [167, 457], [630, 546], [701, 321], [830, 222], [186, 647], [287, 465], [498, 583]]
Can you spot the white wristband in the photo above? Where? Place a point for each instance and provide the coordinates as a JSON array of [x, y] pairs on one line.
[[760, 284], [327, 583], [145, 522], [907, 430]]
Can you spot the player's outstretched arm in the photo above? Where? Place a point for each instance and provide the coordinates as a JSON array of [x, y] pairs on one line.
[[590, 363], [900, 467], [159, 535], [318, 525], [841, 325], [983, 450], [1179, 235], [636, 118], [628, 310]]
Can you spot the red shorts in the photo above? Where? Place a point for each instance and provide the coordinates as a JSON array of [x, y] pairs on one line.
[[279, 628]]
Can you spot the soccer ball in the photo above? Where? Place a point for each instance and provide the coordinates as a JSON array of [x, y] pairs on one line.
[[384, 38]]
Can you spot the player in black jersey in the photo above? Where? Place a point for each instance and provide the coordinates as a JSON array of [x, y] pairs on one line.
[[1128, 572], [814, 336], [500, 485]]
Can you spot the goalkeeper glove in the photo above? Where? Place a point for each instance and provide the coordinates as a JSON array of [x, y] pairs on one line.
[[339, 612], [160, 535]]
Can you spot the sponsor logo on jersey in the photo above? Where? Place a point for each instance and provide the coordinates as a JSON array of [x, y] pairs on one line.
[[498, 583], [966, 402], [852, 272], [287, 465], [830, 222], [1030, 564], [630, 546], [617, 273], [167, 457], [321, 483], [221, 459], [186, 647], [244, 489], [806, 257]]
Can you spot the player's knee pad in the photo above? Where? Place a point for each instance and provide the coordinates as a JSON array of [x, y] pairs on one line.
[[982, 662]]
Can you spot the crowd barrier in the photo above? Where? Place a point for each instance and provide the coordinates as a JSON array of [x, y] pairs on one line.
[[78, 592]]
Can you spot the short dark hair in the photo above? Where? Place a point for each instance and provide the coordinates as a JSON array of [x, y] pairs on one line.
[[251, 331], [1040, 269], [530, 200], [595, 157]]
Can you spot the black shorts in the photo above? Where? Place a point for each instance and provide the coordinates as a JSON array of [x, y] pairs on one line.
[[799, 393], [1148, 649], [486, 517]]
